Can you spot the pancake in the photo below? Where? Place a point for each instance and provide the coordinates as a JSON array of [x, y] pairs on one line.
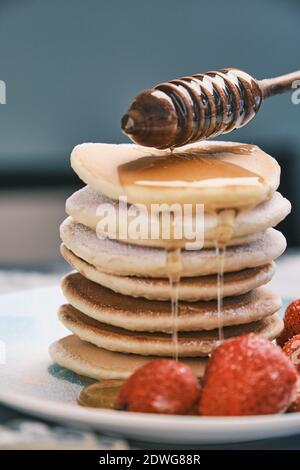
[[190, 344], [106, 168], [83, 206], [86, 359], [124, 259], [138, 314], [190, 289]]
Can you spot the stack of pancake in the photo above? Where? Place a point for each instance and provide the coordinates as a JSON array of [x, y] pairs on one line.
[[119, 309]]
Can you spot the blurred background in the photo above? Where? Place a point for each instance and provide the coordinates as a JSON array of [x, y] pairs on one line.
[[71, 68]]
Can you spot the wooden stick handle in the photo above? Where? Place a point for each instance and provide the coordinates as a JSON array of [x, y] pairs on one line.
[[278, 85]]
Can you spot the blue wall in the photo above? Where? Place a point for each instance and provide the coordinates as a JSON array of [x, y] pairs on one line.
[[72, 66]]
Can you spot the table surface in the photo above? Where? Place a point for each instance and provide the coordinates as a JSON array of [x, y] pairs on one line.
[[22, 431]]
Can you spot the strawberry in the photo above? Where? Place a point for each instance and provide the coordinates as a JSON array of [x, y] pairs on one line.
[[291, 323], [292, 318], [248, 375], [161, 386], [292, 350]]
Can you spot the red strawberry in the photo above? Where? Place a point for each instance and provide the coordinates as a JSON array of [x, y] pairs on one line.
[[161, 386], [292, 318], [291, 323], [292, 350], [248, 375]]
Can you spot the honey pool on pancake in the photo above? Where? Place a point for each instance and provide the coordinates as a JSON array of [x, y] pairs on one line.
[[182, 170], [197, 168]]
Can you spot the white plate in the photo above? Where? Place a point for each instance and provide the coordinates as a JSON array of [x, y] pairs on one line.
[[29, 382]]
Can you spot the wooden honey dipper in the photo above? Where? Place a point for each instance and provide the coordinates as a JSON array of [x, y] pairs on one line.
[[199, 106]]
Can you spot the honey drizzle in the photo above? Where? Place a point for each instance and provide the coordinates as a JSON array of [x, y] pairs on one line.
[[224, 231], [226, 220], [174, 268], [220, 254]]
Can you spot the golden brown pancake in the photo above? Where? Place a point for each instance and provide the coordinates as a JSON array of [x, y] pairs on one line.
[[190, 344], [191, 289], [139, 314], [86, 359]]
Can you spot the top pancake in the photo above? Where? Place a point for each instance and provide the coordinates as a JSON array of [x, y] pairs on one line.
[[245, 175]]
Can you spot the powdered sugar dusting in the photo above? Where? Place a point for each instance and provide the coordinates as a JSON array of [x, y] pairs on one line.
[[123, 258]]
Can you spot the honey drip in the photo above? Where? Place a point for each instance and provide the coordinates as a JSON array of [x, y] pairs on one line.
[[226, 219], [174, 269], [220, 254]]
